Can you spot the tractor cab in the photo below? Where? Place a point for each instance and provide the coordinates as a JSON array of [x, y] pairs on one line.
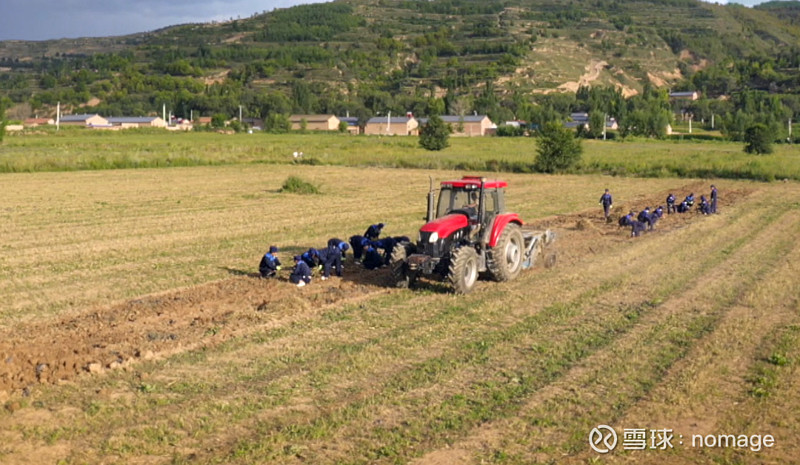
[[478, 199]]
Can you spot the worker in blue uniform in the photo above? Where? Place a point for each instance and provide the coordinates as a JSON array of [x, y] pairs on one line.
[[270, 264], [670, 203], [374, 231], [301, 275], [311, 257], [689, 200], [372, 259], [356, 245], [607, 202], [713, 199], [330, 257]]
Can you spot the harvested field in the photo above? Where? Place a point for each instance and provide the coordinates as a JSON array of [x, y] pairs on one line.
[[135, 330]]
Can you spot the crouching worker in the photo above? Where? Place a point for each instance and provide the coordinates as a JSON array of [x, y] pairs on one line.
[[342, 245], [704, 207], [301, 275], [330, 257], [270, 264], [372, 259], [626, 220], [637, 228], [356, 245]]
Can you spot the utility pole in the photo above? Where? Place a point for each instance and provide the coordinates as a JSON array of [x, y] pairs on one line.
[[58, 116], [240, 114], [690, 124], [605, 124]]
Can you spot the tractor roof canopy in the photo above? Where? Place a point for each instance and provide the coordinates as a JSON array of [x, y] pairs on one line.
[[474, 182]]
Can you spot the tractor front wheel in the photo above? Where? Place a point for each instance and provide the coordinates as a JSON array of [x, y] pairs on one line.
[[463, 271], [505, 258], [398, 264]]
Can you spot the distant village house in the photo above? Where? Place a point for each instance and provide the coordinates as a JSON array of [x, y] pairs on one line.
[[392, 126], [315, 122]]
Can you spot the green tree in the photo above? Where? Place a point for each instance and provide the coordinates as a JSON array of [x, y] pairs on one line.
[[758, 139], [558, 149], [3, 121], [435, 134], [277, 123]]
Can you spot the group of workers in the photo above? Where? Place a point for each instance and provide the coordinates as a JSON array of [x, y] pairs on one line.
[[369, 250], [646, 220]]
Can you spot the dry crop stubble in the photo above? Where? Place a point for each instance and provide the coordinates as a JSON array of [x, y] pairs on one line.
[[379, 379]]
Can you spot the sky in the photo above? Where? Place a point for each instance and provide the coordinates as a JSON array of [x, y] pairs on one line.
[[58, 19]]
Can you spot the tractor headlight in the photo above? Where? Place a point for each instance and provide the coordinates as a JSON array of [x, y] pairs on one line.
[[434, 237]]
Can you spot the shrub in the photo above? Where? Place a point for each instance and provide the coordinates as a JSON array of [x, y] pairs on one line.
[[295, 185], [435, 134], [758, 139]]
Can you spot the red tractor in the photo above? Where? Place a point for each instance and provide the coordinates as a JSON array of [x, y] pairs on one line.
[[468, 233]]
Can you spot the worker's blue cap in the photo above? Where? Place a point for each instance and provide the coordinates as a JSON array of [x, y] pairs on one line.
[[344, 246], [313, 251], [380, 225], [297, 258], [273, 249]]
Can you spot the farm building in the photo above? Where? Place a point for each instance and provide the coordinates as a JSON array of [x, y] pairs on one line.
[[392, 126], [83, 120], [469, 126], [125, 122], [33, 122], [315, 122], [352, 124]]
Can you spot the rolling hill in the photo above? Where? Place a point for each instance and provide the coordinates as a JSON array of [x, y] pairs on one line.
[[367, 56]]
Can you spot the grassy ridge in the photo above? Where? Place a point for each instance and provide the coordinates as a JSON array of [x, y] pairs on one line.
[[72, 150]]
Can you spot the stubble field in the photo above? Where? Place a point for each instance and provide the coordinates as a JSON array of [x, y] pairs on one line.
[[133, 329]]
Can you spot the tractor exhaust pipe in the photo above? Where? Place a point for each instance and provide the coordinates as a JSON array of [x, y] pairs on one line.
[[431, 201]]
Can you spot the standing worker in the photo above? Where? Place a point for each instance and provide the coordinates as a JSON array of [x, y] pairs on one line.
[[301, 275], [671, 204], [607, 202], [713, 199], [270, 264]]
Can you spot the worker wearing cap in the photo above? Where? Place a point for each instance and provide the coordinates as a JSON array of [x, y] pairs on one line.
[[671, 204], [342, 245], [301, 275], [373, 231], [330, 257], [311, 257], [270, 264], [607, 202]]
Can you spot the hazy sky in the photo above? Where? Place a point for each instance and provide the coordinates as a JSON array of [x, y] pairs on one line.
[[56, 19]]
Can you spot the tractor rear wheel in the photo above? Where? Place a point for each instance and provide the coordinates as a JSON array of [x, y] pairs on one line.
[[463, 271], [505, 258], [399, 267]]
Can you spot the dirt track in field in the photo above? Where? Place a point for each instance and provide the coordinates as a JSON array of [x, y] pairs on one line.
[[156, 326]]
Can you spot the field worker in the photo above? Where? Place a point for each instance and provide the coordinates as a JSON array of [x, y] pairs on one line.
[[270, 264], [689, 200], [644, 215], [311, 257], [355, 244], [342, 245], [683, 207], [373, 231], [387, 245], [670, 203], [372, 259], [704, 207], [301, 275], [626, 220], [330, 257], [607, 202], [713, 199], [637, 228], [654, 217]]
